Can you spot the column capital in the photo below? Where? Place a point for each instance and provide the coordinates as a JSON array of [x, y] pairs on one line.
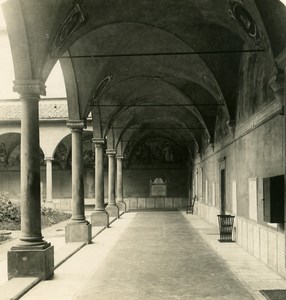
[[277, 85], [281, 60], [119, 156], [111, 152], [98, 142], [47, 158], [32, 87], [76, 124]]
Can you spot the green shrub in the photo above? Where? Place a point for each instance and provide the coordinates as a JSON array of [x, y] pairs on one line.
[[10, 215], [9, 211]]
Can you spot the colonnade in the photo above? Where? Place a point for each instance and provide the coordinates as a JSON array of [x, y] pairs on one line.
[[33, 256]]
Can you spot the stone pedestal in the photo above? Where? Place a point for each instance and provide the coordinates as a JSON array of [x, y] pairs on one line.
[[121, 206], [37, 262], [112, 210], [100, 218], [78, 232]]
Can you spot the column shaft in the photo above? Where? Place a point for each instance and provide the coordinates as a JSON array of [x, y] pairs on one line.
[[77, 177], [30, 173], [111, 208], [119, 185], [99, 176], [119, 180], [78, 229], [31, 256], [111, 179], [99, 217], [49, 179]]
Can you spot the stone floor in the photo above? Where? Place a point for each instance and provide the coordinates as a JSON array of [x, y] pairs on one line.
[[158, 255], [162, 257], [154, 255]]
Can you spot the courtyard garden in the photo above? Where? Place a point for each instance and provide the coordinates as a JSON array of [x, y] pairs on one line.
[[10, 217]]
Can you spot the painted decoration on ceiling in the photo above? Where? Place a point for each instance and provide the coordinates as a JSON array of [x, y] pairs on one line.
[[238, 12], [102, 85], [73, 21], [156, 151], [95, 95]]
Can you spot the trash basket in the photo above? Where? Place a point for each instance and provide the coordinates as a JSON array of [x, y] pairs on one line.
[[225, 227]]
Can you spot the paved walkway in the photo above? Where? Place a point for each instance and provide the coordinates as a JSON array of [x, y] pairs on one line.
[[158, 255], [145, 255]]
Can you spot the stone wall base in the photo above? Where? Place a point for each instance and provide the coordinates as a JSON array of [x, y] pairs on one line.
[[31, 262]]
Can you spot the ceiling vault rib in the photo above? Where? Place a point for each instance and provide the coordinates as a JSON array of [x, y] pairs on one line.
[[160, 53]]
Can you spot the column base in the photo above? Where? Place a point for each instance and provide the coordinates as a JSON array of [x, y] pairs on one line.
[[121, 206], [31, 262], [112, 210], [100, 218], [78, 232]]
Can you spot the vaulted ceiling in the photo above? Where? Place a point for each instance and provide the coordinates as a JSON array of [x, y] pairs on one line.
[[161, 68]]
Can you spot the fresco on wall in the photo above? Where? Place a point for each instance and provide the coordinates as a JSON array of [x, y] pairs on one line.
[[62, 159], [63, 155], [15, 158], [255, 73], [3, 155], [221, 128], [88, 154], [156, 151], [10, 159]]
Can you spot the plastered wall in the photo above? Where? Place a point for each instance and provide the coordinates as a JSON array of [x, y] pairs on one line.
[[136, 183]]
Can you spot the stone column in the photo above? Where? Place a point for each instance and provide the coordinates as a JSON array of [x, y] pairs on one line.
[[119, 184], [78, 229], [31, 256], [49, 179], [99, 217], [111, 208]]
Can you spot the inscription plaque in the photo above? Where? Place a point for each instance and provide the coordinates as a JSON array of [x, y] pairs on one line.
[[158, 188]]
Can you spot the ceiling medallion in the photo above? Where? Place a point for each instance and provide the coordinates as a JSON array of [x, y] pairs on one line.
[[103, 84], [238, 12], [73, 21], [214, 88]]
